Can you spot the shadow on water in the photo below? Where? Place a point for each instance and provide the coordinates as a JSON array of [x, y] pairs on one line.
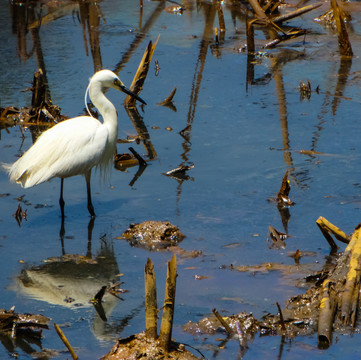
[[235, 134]]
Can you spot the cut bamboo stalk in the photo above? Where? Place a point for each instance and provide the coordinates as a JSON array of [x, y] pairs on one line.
[[165, 335], [350, 294], [151, 310], [329, 227], [326, 315]]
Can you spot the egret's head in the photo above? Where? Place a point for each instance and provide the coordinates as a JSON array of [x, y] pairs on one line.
[[109, 80]]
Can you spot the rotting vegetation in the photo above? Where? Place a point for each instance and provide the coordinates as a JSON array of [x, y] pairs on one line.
[[329, 306], [331, 303]]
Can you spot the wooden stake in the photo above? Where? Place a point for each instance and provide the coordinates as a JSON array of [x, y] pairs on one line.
[[151, 310], [165, 335]]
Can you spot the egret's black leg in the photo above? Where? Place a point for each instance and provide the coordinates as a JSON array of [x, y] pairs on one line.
[[61, 200], [90, 205]]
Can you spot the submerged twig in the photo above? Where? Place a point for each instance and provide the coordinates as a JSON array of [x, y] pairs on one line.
[[65, 341]]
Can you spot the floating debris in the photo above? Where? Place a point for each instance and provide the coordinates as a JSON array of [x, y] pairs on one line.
[[305, 90], [153, 235], [174, 9], [276, 238], [282, 197], [168, 102], [22, 330], [20, 215], [179, 173]]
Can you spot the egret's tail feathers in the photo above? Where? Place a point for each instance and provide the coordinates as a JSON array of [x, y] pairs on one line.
[[22, 176], [14, 175], [6, 166]]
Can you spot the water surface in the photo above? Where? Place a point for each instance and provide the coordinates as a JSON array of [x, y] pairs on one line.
[[243, 138]]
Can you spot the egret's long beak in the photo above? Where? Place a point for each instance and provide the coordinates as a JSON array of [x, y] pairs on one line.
[[127, 91]]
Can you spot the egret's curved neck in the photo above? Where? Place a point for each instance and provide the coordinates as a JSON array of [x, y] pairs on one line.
[[104, 106]]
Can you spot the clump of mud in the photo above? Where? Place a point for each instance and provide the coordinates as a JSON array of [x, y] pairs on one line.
[[153, 235]]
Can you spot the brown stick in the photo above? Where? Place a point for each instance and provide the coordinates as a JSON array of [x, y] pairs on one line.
[[327, 227], [222, 24], [258, 9], [343, 39], [250, 37], [168, 309], [281, 317], [222, 321], [65, 341], [151, 310], [298, 12], [141, 74], [169, 99]]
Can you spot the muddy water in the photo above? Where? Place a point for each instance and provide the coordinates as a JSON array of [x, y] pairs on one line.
[[242, 138]]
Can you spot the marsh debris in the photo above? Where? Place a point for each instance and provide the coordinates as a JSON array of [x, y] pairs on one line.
[[329, 305], [23, 330], [305, 90], [153, 235], [276, 239], [139, 346], [168, 102], [180, 173], [41, 112], [124, 161], [20, 215], [283, 195], [269, 18]]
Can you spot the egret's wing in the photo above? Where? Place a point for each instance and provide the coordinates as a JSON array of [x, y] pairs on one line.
[[71, 147]]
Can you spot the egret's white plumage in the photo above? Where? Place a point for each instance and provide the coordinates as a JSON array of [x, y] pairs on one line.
[[74, 146]]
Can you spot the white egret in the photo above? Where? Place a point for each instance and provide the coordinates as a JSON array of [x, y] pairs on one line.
[[74, 146]]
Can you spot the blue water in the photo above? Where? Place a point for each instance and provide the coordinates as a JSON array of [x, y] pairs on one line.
[[237, 145]]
